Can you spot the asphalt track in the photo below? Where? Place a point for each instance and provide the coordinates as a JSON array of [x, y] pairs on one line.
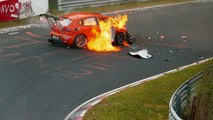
[[43, 82]]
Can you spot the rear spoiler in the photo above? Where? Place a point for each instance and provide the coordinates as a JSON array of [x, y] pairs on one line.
[[52, 20], [49, 16]]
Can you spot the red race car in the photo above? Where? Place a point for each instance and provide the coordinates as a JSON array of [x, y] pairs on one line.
[[77, 29]]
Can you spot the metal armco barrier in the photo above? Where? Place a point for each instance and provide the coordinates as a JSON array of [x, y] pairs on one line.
[[70, 4], [181, 98]]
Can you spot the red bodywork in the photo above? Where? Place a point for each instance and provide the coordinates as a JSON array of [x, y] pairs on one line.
[[79, 23]]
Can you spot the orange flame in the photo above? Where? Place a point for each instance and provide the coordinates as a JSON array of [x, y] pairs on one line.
[[103, 38], [125, 43], [119, 22]]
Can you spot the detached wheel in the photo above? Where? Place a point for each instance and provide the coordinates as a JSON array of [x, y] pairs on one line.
[[119, 38], [80, 41]]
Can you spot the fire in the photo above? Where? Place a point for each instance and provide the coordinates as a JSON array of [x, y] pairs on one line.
[[119, 22], [126, 44], [103, 38]]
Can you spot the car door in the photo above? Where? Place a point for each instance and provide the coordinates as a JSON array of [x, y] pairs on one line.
[[90, 27]]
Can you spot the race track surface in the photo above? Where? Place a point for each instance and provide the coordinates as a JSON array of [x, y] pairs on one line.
[[43, 82]]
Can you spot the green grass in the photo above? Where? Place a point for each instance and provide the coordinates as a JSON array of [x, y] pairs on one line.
[[204, 98], [54, 11], [148, 101]]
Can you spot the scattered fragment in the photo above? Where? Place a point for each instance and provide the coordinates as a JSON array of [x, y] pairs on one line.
[[184, 37], [168, 60], [170, 51], [149, 38], [134, 47], [162, 37], [142, 53]]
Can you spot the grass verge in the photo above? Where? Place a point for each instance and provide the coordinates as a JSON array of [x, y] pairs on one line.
[[203, 102], [107, 8], [146, 101]]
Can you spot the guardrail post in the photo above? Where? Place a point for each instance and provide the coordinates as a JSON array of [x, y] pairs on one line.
[[178, 104], [189, 88], [189, 91]]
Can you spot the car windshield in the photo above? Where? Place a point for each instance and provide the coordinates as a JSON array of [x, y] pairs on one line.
[[65, 21]]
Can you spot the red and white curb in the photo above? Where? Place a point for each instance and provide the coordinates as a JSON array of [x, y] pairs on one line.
[[13, 29], [79, 112]]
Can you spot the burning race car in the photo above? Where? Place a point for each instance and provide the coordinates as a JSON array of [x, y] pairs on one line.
[[92, 30]]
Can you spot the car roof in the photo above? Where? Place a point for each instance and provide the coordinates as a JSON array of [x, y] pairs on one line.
[[82, 15]]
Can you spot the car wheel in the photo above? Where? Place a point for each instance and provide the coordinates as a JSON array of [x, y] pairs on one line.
[[80, 41], [130, 38], [119, 38]]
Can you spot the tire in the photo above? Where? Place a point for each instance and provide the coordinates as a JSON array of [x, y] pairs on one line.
[[80, 41], [50, 41], [119, 38], [130, 38]]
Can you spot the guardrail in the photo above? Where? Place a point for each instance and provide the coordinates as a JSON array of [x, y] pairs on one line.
[[181, 98], [70, 4]]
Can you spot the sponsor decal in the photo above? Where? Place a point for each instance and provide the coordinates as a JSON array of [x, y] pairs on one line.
[[15, 9]]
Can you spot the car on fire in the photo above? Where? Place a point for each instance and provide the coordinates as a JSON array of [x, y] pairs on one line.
[[75, 29]]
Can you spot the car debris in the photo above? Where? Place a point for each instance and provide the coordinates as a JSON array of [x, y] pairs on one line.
[[162, 37], [141, 53], [168, 60], [134, 47], [184, 37]]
